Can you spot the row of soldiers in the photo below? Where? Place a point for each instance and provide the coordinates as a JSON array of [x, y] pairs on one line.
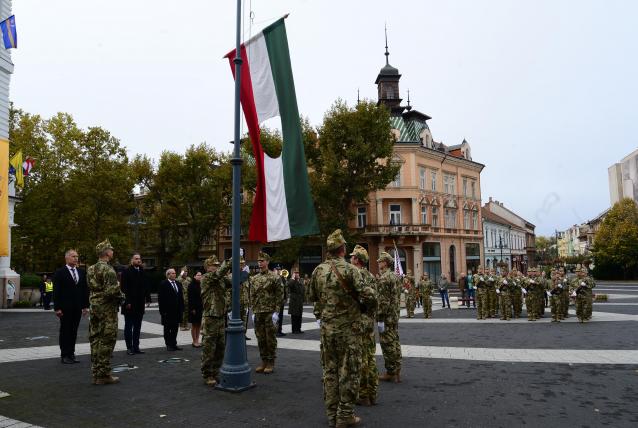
[[348, 302], [505, 294]]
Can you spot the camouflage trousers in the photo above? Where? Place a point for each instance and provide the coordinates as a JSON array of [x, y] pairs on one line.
[[410, 304], [506, 305], [391, 347], [427, 307], [341, 370], [557, 310], [265, 331], [565, 303], [540, 303], [102, 336], [481, 304], [517, 303], [531, 305], [369, 382], [584, 305], [213, 346], [492, 301]]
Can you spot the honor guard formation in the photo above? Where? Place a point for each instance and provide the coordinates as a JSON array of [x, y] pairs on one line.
[[349, 304]]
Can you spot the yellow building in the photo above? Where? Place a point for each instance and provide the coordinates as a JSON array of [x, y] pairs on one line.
[[432, 210]]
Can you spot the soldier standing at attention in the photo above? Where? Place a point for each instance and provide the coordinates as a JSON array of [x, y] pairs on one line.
[[564, 282], [556, 297], [517, 293], [480, 282], [369, 382], [295, 304], [244, 293], [410, 294], [531, 294], [267, 294], [491, 294], [337, 288], [105, 297], [582, 287], [214, 285], [185, 280], [503, 289], [426, 292], [389, 289]]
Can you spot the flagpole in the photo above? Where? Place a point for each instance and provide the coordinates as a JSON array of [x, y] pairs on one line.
[[235, 372]]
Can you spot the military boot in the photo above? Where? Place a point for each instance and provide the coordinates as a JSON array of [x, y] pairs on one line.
[[260, 368], [270, 367], [354, 420], [397, 376], [387, 377], [211, 381], [107, 380], [364, 402]]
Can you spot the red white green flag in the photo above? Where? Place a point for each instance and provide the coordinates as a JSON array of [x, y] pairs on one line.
[[283, 206]]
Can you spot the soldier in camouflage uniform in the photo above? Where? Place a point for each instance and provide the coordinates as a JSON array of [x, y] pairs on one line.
[[185, 280], [425, 289], [409, 290], [541, 292], [266, 295], [516, 293], [529, 288], [555, 292], [491, 294], [214, 285], [503, 289], [244, 293], [369, 381], [336, 287], [565, 292], [389, 292], [480, 282], [105, 298], [581, 288]]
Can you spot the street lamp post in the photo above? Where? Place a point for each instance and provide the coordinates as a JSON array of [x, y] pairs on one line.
[[235, 372]]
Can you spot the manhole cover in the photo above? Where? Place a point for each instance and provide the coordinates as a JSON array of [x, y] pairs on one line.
[[174, 360], [37, 338], [123, 368]]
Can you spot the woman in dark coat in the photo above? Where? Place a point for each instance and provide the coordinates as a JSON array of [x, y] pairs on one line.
[[195, 308]]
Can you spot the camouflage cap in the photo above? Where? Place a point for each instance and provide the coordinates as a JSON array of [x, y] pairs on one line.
[[211, 261], [263, 256], [577, 270], [385, 257], [103, 246], [335, 240], [360, 253]]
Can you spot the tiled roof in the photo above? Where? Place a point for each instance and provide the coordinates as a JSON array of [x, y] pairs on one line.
[[409, 131]]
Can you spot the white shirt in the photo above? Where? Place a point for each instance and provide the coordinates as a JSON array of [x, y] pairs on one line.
[[75, 277]]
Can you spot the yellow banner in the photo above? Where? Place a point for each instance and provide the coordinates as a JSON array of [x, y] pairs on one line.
[[4, 197]]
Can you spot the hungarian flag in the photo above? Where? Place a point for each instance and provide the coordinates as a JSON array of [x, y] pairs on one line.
[[283, 206], [398, 269]]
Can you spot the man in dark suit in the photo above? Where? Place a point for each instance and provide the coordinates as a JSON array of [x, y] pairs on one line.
[[171, 306], [71, 301], [137, 292]]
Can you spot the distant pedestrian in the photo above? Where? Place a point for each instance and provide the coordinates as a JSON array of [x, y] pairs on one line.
[[195, 308], [71, 302], [105, 298], [137, 292], [185, 280], [295, 306], [471, 290], [463, 288], [171, 307], [443, 290], [48, 292]]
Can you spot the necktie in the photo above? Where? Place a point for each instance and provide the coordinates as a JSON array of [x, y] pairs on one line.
[[174, 286], [75, 275]]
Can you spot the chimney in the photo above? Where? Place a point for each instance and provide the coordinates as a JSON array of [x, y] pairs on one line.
[[490, 199]]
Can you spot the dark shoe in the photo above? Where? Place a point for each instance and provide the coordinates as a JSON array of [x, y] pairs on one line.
[[67, 360], [281, 334], [177, 348], [364, 402], [75, 360], [171, 348], [139, 351], [109, 380], [248, 338], [130, 352]]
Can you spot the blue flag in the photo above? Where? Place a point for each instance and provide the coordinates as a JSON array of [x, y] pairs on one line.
[[9, 34]]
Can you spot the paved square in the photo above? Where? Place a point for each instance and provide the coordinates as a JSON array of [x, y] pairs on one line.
[[458, 372]]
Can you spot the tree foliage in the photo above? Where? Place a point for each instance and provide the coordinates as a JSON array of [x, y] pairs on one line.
[[348, 158], [616, 243], [78, 194]]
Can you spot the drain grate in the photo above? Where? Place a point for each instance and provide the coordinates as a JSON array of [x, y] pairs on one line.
[[174, 360], [123, 368]]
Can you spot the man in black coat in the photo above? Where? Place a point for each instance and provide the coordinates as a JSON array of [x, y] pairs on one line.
[[71, 301], [137, 293], [171, 306]]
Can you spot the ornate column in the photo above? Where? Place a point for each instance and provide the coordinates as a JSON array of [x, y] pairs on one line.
[[418, 261]]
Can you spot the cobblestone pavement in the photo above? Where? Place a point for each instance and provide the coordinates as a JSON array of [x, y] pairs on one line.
[[458, 372]]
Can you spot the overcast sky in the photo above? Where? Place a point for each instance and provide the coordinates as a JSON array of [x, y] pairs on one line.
[[544, 91]]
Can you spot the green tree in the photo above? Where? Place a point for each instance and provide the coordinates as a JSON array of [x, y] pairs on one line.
[[77, 194], [616, 243], [348, 158]]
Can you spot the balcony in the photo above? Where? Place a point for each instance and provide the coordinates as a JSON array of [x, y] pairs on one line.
[[412, 229]]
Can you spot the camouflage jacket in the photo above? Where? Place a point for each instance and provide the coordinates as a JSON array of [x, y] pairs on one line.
[[266, 292], [425, 288], [185, 282], [479, 280], [335, 302], [409, 287], [214, 286], [389, 290], [580, 285], [104, 289], [370, 288]]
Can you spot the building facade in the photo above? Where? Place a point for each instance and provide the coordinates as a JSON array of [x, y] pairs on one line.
[[623, 179], [431, 212], [504, 242]]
